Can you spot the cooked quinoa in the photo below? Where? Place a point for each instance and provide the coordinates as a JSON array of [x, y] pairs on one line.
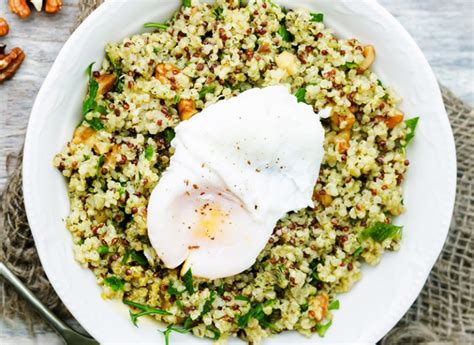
[[150, 82]]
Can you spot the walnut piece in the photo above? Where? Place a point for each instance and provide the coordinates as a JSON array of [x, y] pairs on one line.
[[186, 109], [4, 28], [10, 63], [53, 6], [20, 8], [164, 73]]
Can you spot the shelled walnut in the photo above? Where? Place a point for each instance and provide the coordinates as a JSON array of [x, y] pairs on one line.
[[10, 63], [22, 9], [4, 28]]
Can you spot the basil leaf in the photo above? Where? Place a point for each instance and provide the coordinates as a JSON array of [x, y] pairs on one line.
[[186, 3], [139, 258], [379, 232], [156, 26], [301, 94], [317, 17], [145, 310], [334, 305], [115, 283], [103, 250], [95, 123], [207, 89], [411, 125], [149, 152], [285, 34], [321, 329], [188, 281], [217, 333], [169, 135]]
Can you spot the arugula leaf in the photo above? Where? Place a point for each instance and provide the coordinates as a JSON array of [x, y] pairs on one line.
[[206, 89], [139, 257], [103, 250], [169, 329], [242, 298], [379, 232], [208, 305], [317, 17], [220, 290], [188, 322], [321, 329], [188, 281], [256, 312], [217, 333], [186, 3], [115, 283], [117, 71], [217, 12], [145, 310], [358, 251], [304, 307], [334, 305], [301, 94], [169, 135], [95, 123], [379, 83], [90, 103], [285, 34], [149, 152], [156, 25], [351, 65], [411, 125], [173, 291]]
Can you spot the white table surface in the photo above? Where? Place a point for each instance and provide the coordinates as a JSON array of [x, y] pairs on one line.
[[443, 29]]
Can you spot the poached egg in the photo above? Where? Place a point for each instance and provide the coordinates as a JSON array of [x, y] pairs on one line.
[[239, 166]]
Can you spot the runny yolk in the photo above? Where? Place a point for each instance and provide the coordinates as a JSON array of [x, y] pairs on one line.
[[211, 219]]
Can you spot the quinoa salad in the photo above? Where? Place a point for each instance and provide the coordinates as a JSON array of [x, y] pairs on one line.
[[150, 82]]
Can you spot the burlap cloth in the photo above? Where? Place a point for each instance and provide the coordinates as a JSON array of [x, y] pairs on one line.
[[442, 313]]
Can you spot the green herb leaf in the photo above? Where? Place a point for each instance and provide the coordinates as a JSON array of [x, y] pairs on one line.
[[242, 298], [101, 109], [379, 83], [285, 34], [317, 17], [169, 135], [217, 333], [379, 232], [206, 89], [321, 329], [186, 3], [176, 99], [103, 250], [169, 329], [188, 281], [188, 322], [100, 161], [217, 12], [411, 125], [334, 305], [301, 94], [115, 283], [149, 152], [90, 103], [145, 310], [95, 123], [351, 65], [304, 307], [257, 313], [272, 4], [173, 291], [358, 251], [139, 257], [86, 157], [126, 256], [156, 26], [208, 305], [220, 290]]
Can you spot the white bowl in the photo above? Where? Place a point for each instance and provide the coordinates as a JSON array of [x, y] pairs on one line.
[[385, 292]]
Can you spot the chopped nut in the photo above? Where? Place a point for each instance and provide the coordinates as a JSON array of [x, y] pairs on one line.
[[318, 307], [341, 141], [10, 63], [186, 109], [106, 82], [287, 62], [4, 28], [342, 121], [53, 6], [20, 8], [164, 73], [369, 54]]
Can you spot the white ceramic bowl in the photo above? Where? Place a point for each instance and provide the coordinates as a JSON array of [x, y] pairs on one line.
[[385, 292]]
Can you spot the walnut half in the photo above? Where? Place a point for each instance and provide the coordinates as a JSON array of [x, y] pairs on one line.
[[10, 63], [4, 28]]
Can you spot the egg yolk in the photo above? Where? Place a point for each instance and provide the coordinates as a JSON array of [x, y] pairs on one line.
[[210, 222]]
